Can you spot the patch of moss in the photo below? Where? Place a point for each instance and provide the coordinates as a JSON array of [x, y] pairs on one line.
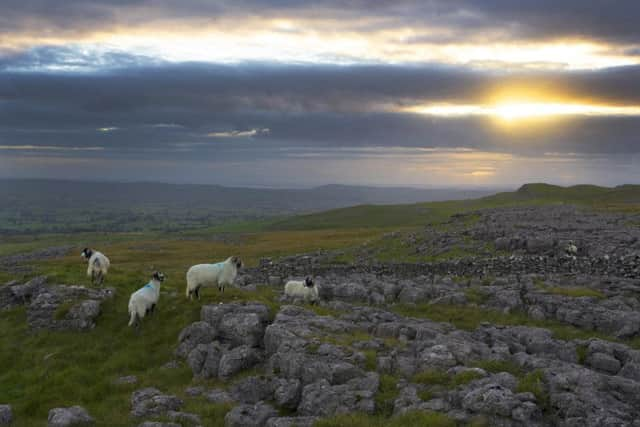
[[63, 309]]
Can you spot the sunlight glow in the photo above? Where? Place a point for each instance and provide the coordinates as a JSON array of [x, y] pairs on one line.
[[319, 41], [512, 111]]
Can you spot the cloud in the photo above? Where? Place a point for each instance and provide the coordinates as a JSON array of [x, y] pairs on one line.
[[108, 129], [47, 148], [542, 18], [239, 133], [316, 115]]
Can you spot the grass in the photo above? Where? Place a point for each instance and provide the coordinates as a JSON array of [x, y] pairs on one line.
[[50, 369], [582, 351], [410, 419], [63, 309], [470, 317], [533, 382], [386, 396], [496, 366], [476, 295], [623, 198], [574, 292], [371, 360], [437, 377]]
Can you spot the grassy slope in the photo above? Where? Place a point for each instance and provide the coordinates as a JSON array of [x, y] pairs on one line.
[[625, 197], [59, 369], [50, 369]]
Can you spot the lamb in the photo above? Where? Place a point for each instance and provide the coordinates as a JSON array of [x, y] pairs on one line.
[[98, 265], [303, 289], [144, 300], [220, 274]]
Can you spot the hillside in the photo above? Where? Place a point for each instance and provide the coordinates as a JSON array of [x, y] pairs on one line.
[[426, 311], [625, 197], [37, 206]]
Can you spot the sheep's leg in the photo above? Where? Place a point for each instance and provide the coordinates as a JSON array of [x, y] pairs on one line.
[[152, 309], [197, 291], [100, 278], [93, 276]]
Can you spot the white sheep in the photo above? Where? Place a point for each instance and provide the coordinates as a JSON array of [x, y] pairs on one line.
[[220, 274], [144, 300], [571, 249], [302, 289], [98, 265]]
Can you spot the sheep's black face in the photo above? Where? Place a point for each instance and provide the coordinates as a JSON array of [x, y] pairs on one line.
[[237, 262], [86, 253], [159, 276], [308, 282]]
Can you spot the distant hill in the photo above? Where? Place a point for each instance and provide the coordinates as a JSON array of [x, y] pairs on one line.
[[621, 198], [62, 206]]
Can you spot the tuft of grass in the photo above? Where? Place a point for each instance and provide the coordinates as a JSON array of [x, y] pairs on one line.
[[581, 351], [575, 292], [410, 419], [323, 310], [439, 379], [476, 295], [465, 377], [386, 396], [479, 421], [63, 309], [431, 377], [496, 366], [533, 382], [371, 360], [425, 394]]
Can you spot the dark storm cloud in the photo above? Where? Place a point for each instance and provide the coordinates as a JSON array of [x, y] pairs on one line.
[[600, 19], [172, 111]]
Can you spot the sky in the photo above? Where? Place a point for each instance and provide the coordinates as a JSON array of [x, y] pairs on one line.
[[284, 93]]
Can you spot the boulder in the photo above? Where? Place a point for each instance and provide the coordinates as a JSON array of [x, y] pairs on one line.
[[255, 415], [71, 416]]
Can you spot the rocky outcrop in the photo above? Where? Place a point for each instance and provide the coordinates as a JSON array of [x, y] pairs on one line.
[[6, 415], [150, 401], [56, 307], [67, 417]]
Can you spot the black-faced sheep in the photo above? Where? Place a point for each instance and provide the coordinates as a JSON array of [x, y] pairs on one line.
[[144, 300], [306, 290], [220, 274], [97, 265]]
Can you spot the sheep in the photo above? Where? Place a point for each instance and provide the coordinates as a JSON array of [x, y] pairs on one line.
[[304, 289], [98, 265], [220, 274], [144, 300], [571, 249]]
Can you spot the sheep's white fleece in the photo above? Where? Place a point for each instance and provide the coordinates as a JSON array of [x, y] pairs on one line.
[[143, 299], [298, 289], [220, 274], [98, 263]]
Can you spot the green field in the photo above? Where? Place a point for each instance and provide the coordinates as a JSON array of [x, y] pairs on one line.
[[49, 369]]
